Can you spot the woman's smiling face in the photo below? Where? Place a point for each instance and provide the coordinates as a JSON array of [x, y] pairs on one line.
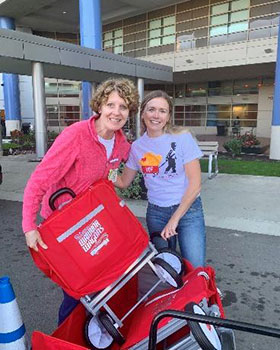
[[155, 116], [113, 113]]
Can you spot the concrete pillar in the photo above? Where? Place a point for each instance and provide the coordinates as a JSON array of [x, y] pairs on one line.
[[26, 91], [275, 126], [39, 109], [91, 36], [11, 90], [140, 87]]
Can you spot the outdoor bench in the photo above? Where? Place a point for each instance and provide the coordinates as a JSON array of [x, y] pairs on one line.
[[210, 151]]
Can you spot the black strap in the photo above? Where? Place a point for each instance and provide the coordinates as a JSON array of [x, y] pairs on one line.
[[58, 193]]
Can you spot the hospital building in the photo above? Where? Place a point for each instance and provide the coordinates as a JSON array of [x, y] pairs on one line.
[[223, 56]]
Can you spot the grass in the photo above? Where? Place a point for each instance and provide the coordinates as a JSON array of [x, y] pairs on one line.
[[245, 167]]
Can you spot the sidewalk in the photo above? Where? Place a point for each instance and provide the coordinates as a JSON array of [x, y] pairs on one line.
[[238, 202]]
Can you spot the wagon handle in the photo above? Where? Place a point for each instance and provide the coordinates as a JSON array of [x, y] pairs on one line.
[[216, 321], [58, 193]]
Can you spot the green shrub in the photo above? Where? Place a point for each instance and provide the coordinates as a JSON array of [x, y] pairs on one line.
[[10, 145], [22, 141], [233, 146], [52, 135], [134, 190]]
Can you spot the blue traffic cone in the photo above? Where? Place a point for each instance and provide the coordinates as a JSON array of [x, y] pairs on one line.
[[12, 330]]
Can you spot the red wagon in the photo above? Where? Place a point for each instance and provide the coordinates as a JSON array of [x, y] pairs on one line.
[[97, 246], [199, 288]]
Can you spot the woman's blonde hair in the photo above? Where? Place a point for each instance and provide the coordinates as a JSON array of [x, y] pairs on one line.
[[125, 89], [169, 127]]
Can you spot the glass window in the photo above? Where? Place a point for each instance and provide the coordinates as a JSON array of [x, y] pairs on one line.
[[190, 115], [219, 19], [169, 90], [61, 115], [197, 89], [154, 42], [168, 40], [240, 4], [247, 114], [217, 114], [180, 90], [162, 31], [179, 115], [230, 22], [195, 108], [218, 30], [118, 41], [185, 42], [169, 30], [217, 9], [169, 20], [62, 88], [238, 27], [114, 40], [239, 16], [108, 36], [66, 90], [155, 33], [118, 33], [195, 115], [118, 49], [108, 43], [51, 89], [155, 24], [249, 86]]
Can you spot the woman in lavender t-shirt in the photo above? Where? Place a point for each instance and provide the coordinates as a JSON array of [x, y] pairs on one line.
[[168, 158]]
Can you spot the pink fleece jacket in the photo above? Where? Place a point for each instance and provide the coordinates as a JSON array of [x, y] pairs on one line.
[[76, 160]]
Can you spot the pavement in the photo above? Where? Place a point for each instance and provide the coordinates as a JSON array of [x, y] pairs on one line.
[[240, 212], [238, 202]]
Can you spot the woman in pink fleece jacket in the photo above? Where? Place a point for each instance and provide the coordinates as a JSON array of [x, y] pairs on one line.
[[82, 154]]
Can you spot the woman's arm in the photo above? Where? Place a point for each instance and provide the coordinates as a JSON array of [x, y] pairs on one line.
[[193, 173], [125, 179], [53, 167]]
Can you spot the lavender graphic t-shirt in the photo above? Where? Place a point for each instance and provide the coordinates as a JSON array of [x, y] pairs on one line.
[[161, 161]]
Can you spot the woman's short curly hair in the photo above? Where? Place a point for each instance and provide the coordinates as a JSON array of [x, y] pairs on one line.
[[124, 87]]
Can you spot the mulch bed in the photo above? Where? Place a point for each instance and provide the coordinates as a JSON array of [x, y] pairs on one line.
[[246, 156]]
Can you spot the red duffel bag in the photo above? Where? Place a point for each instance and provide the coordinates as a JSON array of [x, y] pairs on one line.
[[91, 240]]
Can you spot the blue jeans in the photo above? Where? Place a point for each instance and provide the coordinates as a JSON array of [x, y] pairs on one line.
[[191, 230], [67, 306]]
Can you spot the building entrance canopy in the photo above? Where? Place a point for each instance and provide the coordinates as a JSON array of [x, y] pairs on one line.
[[68, 61], [27, 54]]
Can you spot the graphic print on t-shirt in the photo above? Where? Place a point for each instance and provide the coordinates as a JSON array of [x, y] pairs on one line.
[[170, 159], [150, 162]]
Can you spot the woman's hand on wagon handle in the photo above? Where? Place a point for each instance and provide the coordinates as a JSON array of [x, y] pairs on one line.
[[33, 238]]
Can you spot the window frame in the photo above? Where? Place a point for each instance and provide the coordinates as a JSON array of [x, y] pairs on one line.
[[232, 24], [110, 41], [159, 26]]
